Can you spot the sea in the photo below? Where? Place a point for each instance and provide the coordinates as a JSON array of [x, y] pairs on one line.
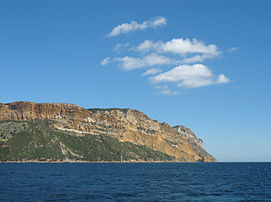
[[135, 181]]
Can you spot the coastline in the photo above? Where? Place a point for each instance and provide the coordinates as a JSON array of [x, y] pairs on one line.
[[30, 161]]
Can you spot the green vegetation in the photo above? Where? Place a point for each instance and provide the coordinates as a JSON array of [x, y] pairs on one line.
[[9, 128], [39, 140]]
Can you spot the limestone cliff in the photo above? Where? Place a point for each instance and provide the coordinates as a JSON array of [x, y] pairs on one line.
[[127, 125]]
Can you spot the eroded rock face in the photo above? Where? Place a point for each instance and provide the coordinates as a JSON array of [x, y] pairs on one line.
[[125, 124], [188, 134]]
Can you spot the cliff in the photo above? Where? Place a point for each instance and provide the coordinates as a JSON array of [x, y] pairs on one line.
[[125, 125]]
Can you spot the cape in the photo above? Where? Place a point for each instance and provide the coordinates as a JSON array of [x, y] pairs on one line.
[[67, 132]]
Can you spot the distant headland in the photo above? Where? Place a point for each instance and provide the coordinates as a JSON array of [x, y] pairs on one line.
[[56, 132]]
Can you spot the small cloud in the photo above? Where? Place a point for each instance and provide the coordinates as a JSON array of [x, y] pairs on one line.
[[194, 59], [158, 21], [197, 58], [152, 71], [134, 26], [223, 79], [186, 46], [145, 46], [233, 49], [191, 51], [169, 92], [164, 90], [148, 45], [120, 46], [130, 63], [106, 61], [191, 76]]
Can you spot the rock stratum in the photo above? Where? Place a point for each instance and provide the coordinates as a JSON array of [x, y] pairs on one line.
[[67, 132]]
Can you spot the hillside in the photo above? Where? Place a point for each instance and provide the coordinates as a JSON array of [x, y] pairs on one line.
[[54, 131]]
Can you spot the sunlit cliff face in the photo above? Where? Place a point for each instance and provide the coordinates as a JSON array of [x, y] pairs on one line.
[[125, 124]]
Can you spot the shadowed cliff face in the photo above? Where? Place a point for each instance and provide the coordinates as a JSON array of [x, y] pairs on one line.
[[124, 124]]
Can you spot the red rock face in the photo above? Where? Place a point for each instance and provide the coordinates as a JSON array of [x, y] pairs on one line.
[[124, 124]]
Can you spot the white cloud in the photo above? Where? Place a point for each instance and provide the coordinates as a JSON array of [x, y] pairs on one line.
[[197, 58], [106, 61], [120, 46], [179, 46], [186, 46], [183, 72], [223, 79], [148, 45], [164, 90], [145, 46], [130, 63], [191, 76], [152, 71], [169, 92], [191, 51], [195, 83], [158, 21], [133, 26], [155, 55], [193, 59]]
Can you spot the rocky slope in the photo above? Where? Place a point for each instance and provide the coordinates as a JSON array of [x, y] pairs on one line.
[[38, 140], [126, 125]]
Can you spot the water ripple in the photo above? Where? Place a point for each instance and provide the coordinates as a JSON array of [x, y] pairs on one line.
[[135, 182]]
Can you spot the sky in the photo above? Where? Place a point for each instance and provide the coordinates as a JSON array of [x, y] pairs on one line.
[[202, 64]]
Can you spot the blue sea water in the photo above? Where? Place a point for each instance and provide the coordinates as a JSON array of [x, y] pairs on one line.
[[135, 181]]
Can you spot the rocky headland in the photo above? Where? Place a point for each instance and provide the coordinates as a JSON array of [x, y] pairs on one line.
[[109, 132]]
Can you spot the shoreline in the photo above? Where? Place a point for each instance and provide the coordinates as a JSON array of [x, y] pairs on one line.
[[102, 162]]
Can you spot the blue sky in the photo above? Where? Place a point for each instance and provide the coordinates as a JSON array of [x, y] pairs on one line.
[[54, 51]]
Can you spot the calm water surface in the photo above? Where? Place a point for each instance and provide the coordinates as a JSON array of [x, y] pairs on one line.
[[135, 181]]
